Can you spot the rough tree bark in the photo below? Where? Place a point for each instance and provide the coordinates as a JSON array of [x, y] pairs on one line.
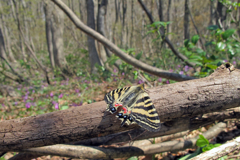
[[127, 58], [219, 91]]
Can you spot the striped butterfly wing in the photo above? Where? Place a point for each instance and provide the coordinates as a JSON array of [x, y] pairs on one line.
[[122, 96], [111, 97], [140, 110], [145, 114]]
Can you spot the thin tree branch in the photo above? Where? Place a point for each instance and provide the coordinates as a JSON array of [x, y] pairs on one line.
[[179, 55], [112, 47]]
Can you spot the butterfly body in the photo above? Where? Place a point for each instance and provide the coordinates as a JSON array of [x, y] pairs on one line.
[[136, 107]]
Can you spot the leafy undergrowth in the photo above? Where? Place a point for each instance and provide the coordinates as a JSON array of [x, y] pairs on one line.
[[35, 100]]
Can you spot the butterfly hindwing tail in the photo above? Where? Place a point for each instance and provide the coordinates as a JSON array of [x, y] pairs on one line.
[[144, 113]]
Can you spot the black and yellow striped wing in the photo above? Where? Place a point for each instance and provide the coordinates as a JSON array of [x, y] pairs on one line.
[[140, 110], [144, 113], [112, 96], [122, 97], [136, 107]]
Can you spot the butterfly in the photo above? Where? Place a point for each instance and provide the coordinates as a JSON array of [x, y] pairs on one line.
[[136, 107]]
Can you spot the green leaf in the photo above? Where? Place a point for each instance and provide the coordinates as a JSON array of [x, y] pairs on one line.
[[202, 141], [200, 52], [207, 148], [188, 53], [133, 158], [89, 101], [195, 39], [186, 42], [220, 46], [211, 66], [217, 145], [195, 57], [210, 146], [40, 112], [212, 27], [135, 73], [64, 107], [228, 33], [223, 158], [139, 55], [195, 61], [147, 76]]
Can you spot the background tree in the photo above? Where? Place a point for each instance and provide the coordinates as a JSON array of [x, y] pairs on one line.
[[93, 55]]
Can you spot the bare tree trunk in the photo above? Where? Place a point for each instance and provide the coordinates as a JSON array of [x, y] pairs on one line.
[[161, 18], [238, 19], [2, 46], [102, 9], [25, 23], [220, 15], [93, 55], [212, 13], [160, 10], [186, 21], [8, 46], [80, 11], [169, 18], [117, 10], [143, 31], [195, 26], [48, 24], [7, 39], [16, 17], [123, 36], [132, 29], [57, 40]]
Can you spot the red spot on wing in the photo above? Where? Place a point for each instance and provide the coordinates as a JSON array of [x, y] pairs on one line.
[[117, 105], [125, 109]]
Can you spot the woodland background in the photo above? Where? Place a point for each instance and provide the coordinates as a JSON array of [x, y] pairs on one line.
[[47, 64]]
